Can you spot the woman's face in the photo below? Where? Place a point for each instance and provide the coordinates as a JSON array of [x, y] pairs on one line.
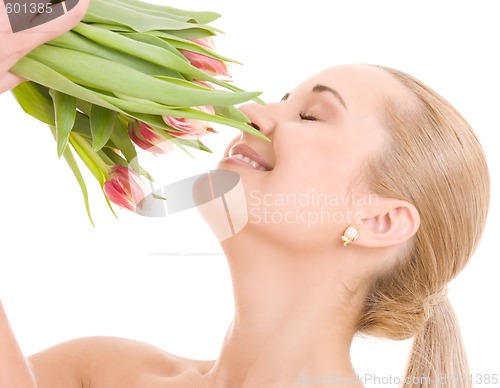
[[301, 186]]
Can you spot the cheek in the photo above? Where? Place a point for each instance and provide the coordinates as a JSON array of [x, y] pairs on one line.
[[305, 198], [304, 219], [309, 163]]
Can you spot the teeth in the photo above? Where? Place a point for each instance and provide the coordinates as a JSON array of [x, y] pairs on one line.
[[251, 162]]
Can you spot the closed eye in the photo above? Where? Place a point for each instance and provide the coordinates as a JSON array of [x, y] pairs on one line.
[[305, 116]]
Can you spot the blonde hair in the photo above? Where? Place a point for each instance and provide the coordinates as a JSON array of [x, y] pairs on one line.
[[434, 161]]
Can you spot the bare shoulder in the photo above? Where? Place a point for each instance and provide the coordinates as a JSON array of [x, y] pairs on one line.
[[109, 362]]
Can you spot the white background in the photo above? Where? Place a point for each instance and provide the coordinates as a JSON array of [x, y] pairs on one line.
[[141, 278]]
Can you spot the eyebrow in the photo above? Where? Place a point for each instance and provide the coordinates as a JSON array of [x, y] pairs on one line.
[[323, 88]]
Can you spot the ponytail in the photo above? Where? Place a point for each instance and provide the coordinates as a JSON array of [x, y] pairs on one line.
[[435, 162], [438, 357]]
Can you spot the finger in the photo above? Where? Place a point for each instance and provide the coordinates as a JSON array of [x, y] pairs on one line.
[[9, 81], [70, 4], [56, 11], [75, 11], [20, 14], [47, 29], [25, 14]]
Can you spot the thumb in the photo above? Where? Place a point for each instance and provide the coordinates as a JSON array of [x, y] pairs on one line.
[[50, 25]]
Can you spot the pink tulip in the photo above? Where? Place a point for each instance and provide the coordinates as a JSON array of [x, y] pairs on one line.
[[207, 64], [125, 187], [189, 128], [148, 139]]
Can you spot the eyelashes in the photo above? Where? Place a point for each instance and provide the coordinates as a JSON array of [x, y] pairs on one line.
[[308, 117], [302, 115]]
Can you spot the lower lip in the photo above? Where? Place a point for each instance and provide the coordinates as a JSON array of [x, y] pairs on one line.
[[238, 162]]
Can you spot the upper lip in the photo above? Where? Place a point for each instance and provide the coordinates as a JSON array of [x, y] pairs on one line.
[[249, 152]]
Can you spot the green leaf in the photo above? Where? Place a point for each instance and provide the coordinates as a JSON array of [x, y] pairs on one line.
[[65, 111], [112, 27], [34, 102], [196, 144], [72, 40], [203, 17], [179, 144], [122, 141], [185, 44], [106, 12], [149, 52], [84, 106], [113, 158], [137, 108], [91, 159], [128, 103], [155, 41], [82, 125], [32, 69], [197, 115], [232, 113], [105, 75], [68, 156], [109, 203], [146, 51], [202, 146], [192, 33], [146, 9], [102, 123]]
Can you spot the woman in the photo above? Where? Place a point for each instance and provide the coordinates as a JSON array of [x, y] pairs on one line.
[[371, 196]]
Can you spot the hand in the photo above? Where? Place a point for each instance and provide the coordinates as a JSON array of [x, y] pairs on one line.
[[26, 24], [14, 370]]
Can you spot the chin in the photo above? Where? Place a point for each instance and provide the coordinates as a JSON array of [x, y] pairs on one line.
[[220, 198]]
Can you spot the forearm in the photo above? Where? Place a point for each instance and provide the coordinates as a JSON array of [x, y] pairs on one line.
[[14, 369]]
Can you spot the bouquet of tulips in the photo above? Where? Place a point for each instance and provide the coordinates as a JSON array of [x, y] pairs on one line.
[[130, 75]]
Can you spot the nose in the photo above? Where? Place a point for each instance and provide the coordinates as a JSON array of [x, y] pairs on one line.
[[264, 118]]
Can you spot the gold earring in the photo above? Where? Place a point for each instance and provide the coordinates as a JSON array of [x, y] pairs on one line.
[[350, 234]]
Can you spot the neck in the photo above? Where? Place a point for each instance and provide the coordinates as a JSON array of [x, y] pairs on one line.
[[293, 318]]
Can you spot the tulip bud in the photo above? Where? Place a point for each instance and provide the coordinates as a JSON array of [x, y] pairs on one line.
[[148, 139], [125, 187], [205, 63], [189, 128]]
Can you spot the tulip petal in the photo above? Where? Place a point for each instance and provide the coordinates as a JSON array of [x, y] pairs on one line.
[[116, 194], [124, 187]]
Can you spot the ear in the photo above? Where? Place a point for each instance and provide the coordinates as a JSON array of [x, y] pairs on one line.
[[396, 221]]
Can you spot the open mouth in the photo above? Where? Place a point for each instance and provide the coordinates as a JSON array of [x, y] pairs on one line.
[[249, 161], [249, 157]]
